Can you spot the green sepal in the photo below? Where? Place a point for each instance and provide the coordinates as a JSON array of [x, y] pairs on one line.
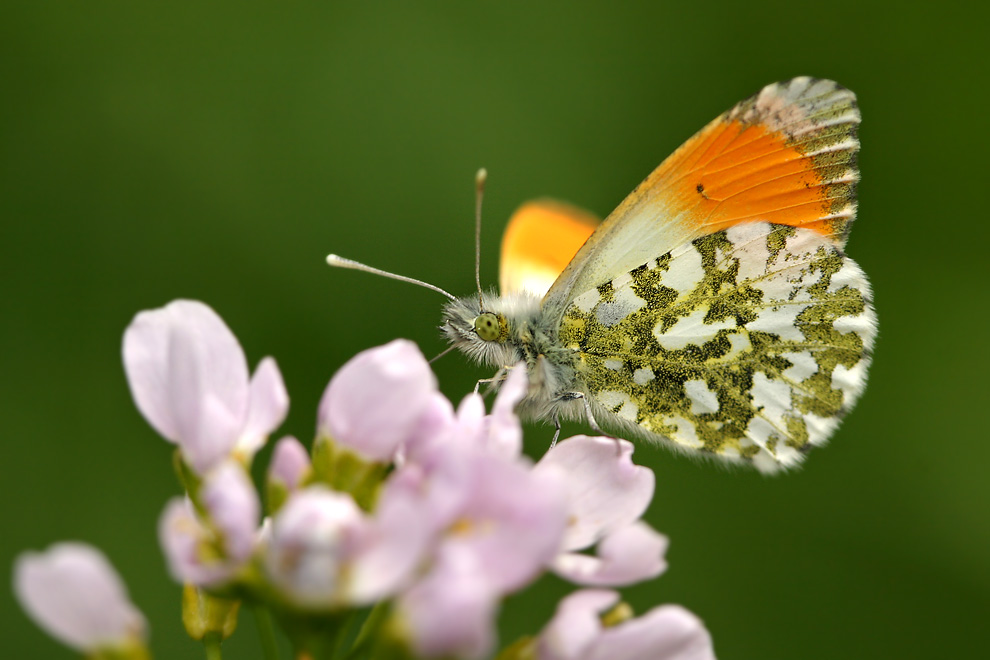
[[347, 471], [390, 643], [188, 479], [523, 648], [130, 650], [620, 613], [204, 614], [276, 493]]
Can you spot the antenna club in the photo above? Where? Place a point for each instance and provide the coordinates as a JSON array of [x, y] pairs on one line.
[[480, 178]]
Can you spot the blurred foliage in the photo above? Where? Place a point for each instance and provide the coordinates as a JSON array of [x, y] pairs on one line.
[[219, 150]]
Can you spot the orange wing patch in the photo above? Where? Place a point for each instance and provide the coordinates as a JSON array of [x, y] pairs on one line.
[[786, 155], [540, 240]]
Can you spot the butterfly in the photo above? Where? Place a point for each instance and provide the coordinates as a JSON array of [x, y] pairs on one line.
[[714, 311]]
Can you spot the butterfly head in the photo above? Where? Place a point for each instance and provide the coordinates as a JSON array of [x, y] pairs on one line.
[[483, 329]]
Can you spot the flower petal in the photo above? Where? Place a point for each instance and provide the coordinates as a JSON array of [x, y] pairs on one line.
[[311, 540], [575, 625], [450, 613], [668, 632], [504, 428], [188, 376], [432, 431], [392, 547], [607, 491], [512, 518], [269, 404], [470, 419], [626, 556], [232, 502], [373, 403], [183, 537], [290, 463], [75, 595]]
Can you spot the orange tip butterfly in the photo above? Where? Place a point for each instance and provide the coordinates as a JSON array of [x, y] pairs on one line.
[[714, 311]]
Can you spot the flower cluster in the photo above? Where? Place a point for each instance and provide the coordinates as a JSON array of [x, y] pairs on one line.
[[430, 514]]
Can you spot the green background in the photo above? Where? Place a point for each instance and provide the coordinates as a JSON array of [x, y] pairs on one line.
[[219, 152]]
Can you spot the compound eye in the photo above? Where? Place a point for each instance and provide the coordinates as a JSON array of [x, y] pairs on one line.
[[487, 327]]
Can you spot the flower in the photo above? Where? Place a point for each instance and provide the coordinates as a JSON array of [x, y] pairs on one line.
[[498, 523], [74, 594], [324, 553], [607, 494], [668, 632], [209, 552], [189, 378], [374, 401]]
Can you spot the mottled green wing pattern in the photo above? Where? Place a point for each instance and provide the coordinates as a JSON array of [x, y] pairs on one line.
[[749, 343]]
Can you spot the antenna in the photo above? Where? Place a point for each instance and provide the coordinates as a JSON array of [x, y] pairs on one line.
[[442, 353], [479, 193], [341, 262]]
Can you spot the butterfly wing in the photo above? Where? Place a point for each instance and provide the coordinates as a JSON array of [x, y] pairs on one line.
[[541, 238], [747, 343], [786, 155]]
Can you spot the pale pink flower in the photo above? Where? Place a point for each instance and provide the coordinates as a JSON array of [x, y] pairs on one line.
[[451, 612], [189, 379], [75, 595], [210, 552], [324, 553], [373, 403], [499, 523], [607, 494], [668, 632], [439, 425]]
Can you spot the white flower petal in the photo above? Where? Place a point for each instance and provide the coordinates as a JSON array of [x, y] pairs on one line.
[[626, 556], [269, 404], [606, 490], [74, 594]]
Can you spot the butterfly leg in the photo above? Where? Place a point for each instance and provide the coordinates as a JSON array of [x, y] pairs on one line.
[[491, 382], [571, 396], [556, 433]]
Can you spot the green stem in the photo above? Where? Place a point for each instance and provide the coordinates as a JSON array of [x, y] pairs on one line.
[[266, 631], [370, 627], [212, 641]]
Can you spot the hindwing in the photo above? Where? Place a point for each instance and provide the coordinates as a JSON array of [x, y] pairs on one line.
[[749, 343]]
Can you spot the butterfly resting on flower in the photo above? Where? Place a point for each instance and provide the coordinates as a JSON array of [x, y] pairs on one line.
[[714, 311]]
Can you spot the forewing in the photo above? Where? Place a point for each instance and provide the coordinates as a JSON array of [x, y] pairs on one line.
[[540, 240], [786, 155], [748, 343]]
